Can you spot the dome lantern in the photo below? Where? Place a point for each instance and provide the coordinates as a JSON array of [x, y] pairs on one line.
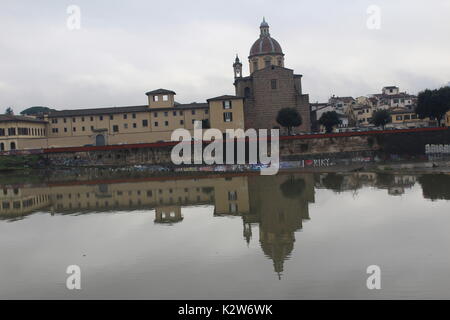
[[265, 51]]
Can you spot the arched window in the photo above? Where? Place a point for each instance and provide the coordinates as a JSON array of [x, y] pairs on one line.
[[2, 146], [12, 146]]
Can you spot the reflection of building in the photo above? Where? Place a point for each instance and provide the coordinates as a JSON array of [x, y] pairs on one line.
[[395, 183], [278, 204], [229, 195], [168, 215], [15, 201]]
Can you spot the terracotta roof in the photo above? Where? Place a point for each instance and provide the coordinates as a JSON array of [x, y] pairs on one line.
[[115, 110], [265, 45], [225, 97], [160, 91], [97, 111], [13, 118]]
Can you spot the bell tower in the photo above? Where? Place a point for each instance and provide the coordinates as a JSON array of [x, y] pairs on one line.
[[237, 66]]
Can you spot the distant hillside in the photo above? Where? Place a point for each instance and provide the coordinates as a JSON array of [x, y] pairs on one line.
[[36, 110]]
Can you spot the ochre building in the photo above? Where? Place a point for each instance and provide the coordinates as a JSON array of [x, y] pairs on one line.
[[153, 122]]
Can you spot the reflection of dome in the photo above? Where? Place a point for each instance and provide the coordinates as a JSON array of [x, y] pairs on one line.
[[265, 44], [278, 250]]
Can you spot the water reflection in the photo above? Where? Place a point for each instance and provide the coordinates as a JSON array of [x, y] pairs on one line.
[[274, 205]]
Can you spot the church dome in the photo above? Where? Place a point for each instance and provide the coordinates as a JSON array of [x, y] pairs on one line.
[[265, 44]]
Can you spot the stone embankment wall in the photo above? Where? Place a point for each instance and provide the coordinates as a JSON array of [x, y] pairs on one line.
[[295, 149], [291, 148]]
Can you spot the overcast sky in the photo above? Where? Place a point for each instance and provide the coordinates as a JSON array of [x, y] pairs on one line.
[[125, 48]]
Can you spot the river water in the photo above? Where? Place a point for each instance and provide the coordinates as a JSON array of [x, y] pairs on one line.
[[238, 236]]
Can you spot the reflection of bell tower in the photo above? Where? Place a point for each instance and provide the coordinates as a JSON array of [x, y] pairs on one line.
[[237, 66], [168, 215]]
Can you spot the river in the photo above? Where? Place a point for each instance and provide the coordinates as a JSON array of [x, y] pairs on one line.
[[235, 236]]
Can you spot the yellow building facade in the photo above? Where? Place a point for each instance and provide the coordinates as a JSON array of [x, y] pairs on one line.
[[149, 123]]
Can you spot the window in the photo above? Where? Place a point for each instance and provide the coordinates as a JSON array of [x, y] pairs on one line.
[[414, 116], [65, 129], [206, 111], [181, 113], [273, 84], [11, 131], [399, 118], [55, 130], [226, 104], [227, 116], [155, 98], [54, 120], [232, 195], [134, 125], [74, 129], [82, 119], [2, 132], [74, 119], [145, 123], [111, 117], [134, 115], [125, 125], [233, 207], [166, 114], [92, 118], [174, 113], [115, 128], [83, 128], [101, 118], [125, 116], [166, 123], [407, 117], [156, 123], [182, 122], [267, 63], [155, 114], [255, 65], [92, 128], [193, 111], [165, 98], [12, 146], [65, 120]]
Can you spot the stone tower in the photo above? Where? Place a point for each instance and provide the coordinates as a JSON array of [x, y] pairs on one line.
[[270, 86]]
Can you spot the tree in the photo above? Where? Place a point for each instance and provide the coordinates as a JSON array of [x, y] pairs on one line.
[[36, 110], [293, 187], [329, 120], [9, 111], [433, 103], [381, 118], [289, 118]]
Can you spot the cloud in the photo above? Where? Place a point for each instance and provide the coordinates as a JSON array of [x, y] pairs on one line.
[[126, 49]]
